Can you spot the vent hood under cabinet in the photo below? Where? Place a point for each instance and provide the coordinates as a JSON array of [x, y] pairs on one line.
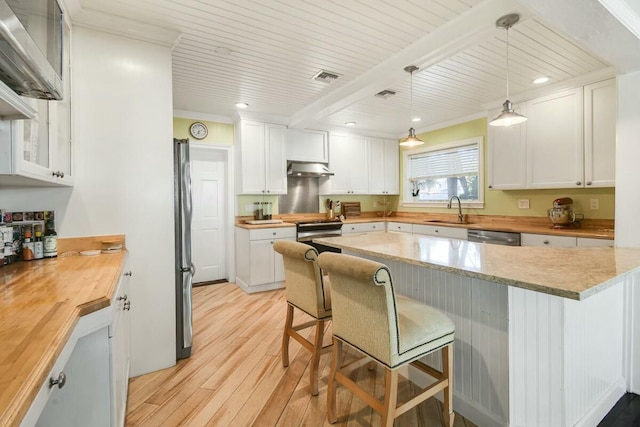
[[308, 169], [12, 106]]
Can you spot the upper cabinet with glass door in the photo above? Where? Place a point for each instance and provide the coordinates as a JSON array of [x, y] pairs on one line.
[[38, 151]]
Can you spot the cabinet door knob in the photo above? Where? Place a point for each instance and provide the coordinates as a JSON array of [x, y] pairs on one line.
[[437, 231], [128, 274], [60, 381], [127, 306], [61, 174], [578, 183], [546, 242], [588, 182], [122, 298], [491, 186]]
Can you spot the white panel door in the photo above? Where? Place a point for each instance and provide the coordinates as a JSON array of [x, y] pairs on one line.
[[208, 240]]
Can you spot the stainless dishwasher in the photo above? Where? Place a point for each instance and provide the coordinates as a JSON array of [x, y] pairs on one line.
[[494, 237]]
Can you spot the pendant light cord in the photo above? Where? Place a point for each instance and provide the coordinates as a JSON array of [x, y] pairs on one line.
[[411, 97], [508, 63]]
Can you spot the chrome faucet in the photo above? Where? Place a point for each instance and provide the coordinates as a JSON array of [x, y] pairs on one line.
[[459, 207]]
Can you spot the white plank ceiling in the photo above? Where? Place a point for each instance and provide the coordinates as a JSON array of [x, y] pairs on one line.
[[277, 46]]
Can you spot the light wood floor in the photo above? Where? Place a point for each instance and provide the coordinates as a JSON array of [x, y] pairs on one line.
[[235, 375]]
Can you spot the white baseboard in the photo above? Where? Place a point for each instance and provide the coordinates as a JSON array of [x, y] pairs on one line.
[[258, 288], [604, 405]]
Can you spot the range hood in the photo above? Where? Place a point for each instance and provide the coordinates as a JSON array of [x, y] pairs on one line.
[[308, 169]]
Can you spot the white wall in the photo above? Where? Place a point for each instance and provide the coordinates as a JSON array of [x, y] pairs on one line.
[[122, 105], [628, 201]]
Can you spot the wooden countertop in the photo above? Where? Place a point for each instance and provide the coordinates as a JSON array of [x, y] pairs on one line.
[[574, 273], [40, 304], [595, 229]]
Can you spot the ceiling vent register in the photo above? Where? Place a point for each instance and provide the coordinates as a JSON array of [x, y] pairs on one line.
[[326, 76], [387, 93]]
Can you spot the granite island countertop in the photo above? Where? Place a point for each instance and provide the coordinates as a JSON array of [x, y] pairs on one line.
[[40, 304], [574, 273]]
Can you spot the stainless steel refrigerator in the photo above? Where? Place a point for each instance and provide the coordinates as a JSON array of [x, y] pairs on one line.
[[184, 267]]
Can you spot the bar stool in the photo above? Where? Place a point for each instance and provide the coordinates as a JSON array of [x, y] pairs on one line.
[[307, 290], [392, 330]]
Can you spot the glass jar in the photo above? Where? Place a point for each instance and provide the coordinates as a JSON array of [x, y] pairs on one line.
[[267, 210], [258, 212]]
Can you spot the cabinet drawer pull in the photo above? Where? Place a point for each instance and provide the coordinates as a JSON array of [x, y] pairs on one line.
[[546, 242], [127, 306], [123, 298], [60, 381], [128, 274]]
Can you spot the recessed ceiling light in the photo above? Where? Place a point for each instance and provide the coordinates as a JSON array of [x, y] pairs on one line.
[[349, 123], [242, 105], [541, 80], [416, 119]]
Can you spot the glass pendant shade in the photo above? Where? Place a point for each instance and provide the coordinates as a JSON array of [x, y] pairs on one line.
[[508, 116], [412, 140]]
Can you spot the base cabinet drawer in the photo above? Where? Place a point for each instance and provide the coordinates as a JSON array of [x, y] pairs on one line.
[[400, 227], [448, 232], [363, 227], [547, 240]]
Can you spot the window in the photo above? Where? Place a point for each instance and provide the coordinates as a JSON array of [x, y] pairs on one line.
[[435, 174]]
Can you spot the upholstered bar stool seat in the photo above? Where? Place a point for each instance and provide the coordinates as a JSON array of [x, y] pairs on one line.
[[307, 289], [393, 330]]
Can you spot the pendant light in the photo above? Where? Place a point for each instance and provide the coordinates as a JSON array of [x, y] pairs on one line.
[[508, 116], [412, 140]]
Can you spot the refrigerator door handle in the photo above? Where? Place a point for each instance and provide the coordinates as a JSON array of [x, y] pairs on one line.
[[187, 328]]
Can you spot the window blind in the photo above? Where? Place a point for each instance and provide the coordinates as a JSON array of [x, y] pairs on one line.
[[459, 161]]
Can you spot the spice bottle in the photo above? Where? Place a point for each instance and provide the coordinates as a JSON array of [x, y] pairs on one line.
[[50, 241], [38, 246], [27, 247]]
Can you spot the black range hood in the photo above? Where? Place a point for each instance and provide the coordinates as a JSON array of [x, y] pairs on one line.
[[302, 169]]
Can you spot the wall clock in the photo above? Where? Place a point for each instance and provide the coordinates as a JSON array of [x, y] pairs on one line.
[[198, 130]]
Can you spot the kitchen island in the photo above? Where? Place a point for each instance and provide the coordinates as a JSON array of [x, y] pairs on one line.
[[541, 333]]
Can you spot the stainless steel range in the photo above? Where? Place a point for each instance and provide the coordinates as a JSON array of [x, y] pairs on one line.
[[309, 230]]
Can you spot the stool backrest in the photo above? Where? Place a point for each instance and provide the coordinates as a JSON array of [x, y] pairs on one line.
[[303, 278], [363, 302]]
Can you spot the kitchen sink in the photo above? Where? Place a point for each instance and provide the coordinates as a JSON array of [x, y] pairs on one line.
[[442, 221]]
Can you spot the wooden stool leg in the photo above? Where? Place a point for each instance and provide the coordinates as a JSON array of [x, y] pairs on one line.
[[447, 371], [390, 397], [285, 336], [315, 357], [336, 356]]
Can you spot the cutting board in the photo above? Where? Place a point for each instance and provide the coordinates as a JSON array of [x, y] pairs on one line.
[[351, 209]]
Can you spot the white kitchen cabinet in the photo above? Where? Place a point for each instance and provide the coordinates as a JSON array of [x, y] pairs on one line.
[[349, 161], [507, 154], [82, 397], [568, 141], [384, 166], [400, 227], [38, 151], [261, 164], [363, 227], [527, 239], [586, 242], [438, 231], [555, 140], [119, 338], [600, 134], [307, 146], [258, 266]]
